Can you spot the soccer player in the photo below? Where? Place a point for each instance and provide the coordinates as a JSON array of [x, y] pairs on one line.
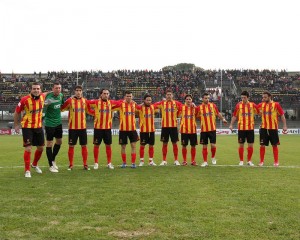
[[78, 107], [32, 131], [127, 109], [102, 125], [53, 124], [270, 111], [245, 111], [208, 112], [169, 109], [188, 129], [147, 130]]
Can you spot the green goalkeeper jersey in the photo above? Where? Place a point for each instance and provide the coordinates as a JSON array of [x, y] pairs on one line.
[[52, 109]]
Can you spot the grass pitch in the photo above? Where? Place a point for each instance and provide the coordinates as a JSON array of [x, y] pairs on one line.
[[217, 202]]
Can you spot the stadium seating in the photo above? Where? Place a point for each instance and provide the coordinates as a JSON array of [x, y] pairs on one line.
[[283, 85]]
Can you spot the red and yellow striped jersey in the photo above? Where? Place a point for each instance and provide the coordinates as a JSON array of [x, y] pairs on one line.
[[208, 113], [188, 119], [102, 112], [270, 112], [127, 116], [33, 109], [77, 107], [146, 115], [245, 115], [169, 111]]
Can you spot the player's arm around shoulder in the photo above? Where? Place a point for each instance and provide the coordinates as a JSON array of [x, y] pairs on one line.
[[89, 108], [66, 105], [157, 105], [256, 109]]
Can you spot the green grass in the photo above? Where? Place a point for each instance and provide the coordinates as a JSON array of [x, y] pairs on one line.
[[152, 202]]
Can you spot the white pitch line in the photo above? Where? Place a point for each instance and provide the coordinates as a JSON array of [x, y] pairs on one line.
[[254, 166], [170, 165]]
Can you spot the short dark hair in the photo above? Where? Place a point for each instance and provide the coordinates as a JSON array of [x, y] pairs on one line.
[[147, 95], [169, 90], [103, 89], [205, 94], [188, 95], [56, 83], [245, 93], [268, 93], [78, 87], [36, 83], [128, 92]]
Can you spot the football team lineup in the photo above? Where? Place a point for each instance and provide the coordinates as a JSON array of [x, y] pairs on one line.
[[32, 107]]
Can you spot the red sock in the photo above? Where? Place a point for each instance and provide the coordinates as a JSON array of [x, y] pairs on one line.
[[204, 154], [123, 157], [133, 157], [241, 153], [250, 153], [96, 153], [175, 150], [108, 153], [142, 151], [213, 152], [193, 154], [184, 152], [71, 155], [262, 151], [275, 154], [151, 152], [84, 153], [37, 156], [164, 151], [27, 160]]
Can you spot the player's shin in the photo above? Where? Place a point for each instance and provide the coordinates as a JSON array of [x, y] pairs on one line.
[[27, 160], [37, 156], [142, 152], [71, 156], [175, 151], [275, 154], [184, 153], [262, 151], [108, 153], [84, 154], [250, 153], [96, 153], [49, 155], [241, 154], [193, 154]]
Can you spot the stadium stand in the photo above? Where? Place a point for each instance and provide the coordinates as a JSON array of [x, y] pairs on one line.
[[224, 86]]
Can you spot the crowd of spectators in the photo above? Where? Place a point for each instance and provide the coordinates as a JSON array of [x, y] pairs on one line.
[[285, 86]]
